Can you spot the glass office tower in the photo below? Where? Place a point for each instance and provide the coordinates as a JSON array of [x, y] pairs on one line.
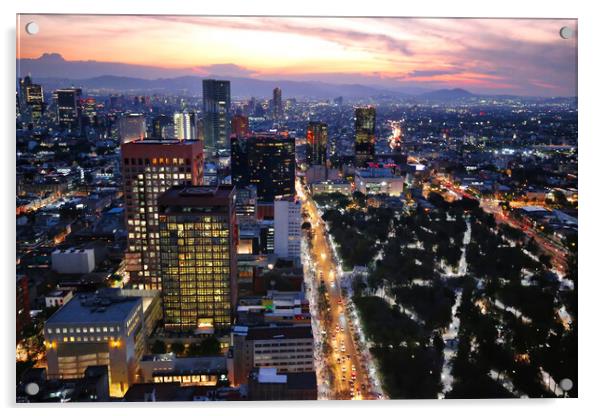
[[150, 167], [365, 135], [198, 235], [216, 109], [317, 139]]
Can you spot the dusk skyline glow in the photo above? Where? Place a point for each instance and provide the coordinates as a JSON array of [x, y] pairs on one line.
[[501, 56]]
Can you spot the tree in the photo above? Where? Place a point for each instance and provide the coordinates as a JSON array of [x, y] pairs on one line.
[[437, 200], [546, 260], [532, 246], [560, 198], [210, 346], [207, 346], [158, 347], [360, 199]]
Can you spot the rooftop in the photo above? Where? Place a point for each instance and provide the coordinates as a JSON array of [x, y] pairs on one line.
[[164, 392], [287, 332], [270, 375], [94, 308], [210, 363], [296, 381], [197, 195], [533, 208], [375, 173], [162, 142], [58, 293]]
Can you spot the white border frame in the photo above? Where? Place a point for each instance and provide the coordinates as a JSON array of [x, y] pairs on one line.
[[590, 145]]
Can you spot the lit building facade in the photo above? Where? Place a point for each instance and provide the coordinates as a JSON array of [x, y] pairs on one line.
[[216, 108], [89, 108], [132, 127], [34, 98], [365, 135], [317, 140], [149, 168], [379, 181], [329, 187], [267, 161], [287, 228], [240, 125], [286, 348], [159, 123], [246, 204], [67, 107], [188, 371], [198, 236], [185, 126], [93, 330]]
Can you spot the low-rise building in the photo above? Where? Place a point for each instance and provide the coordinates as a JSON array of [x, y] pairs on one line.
[[275, 308], [329, 187], [270, 384], [379, 181], [96, 329], [58, 298], [73, 261], [188, 371], [286, 348]]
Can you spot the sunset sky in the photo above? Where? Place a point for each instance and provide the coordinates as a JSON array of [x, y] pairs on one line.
[[525, 57]]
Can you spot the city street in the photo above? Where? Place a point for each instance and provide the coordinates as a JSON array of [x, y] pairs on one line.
[[349, 365]]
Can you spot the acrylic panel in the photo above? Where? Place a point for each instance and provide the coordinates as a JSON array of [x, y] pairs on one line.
[[295, 208]]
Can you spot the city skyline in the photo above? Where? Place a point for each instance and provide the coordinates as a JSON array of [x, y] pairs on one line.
[[487, 56], [224, 237]]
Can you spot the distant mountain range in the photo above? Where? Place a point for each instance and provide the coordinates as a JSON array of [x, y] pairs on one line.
[[241, 87], [53, 71], [447, 94]]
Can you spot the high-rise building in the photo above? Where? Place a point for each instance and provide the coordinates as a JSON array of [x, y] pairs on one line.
[[200, 129], [216, 108], [185, 126], [277, 104], [317, 140], [159, 122], [266, 160], [365, 135], [89, 106], [198, 236], [287, 228], [132, 127], [397, 134], [149, 168], [23, 84], [96, 329], [67, 107], [246, 204], [34, 99], [240, 125]]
